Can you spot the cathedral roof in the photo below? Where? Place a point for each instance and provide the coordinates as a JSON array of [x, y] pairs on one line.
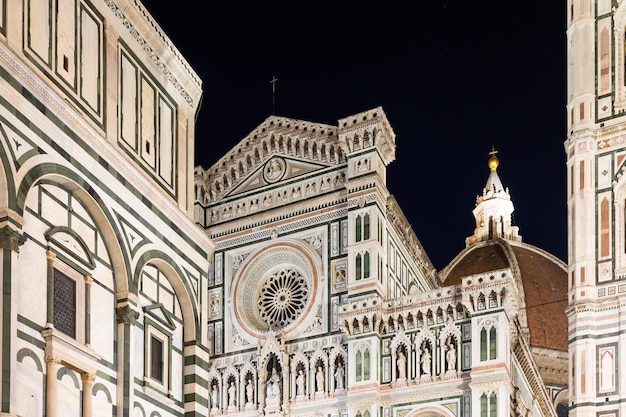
[[541, 279]]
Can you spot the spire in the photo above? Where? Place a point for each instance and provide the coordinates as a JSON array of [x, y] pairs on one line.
[[494, 208]]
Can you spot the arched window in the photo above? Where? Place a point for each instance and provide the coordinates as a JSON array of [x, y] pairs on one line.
[[488, 344], [488, 405], [483, 345], [493, 405], [366, 365], [358, 267], [366, 226], [493, 338], [366, 265], [357, 229], [358, 366]]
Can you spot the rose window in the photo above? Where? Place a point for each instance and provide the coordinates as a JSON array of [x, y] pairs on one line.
[[282, 298]]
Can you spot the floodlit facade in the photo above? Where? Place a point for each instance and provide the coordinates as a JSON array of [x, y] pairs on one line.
[[282, 280], [596, 201]]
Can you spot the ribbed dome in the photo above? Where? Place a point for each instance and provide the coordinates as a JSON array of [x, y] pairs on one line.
[[543, 281]]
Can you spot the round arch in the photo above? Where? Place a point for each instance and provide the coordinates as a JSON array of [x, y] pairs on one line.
[[191, 329], [93, 203], [7, 186]]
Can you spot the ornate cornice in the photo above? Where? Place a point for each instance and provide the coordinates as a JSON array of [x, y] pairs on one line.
[[151, 53]]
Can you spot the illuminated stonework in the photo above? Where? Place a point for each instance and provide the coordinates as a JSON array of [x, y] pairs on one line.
[[275, 288], [282, 298]]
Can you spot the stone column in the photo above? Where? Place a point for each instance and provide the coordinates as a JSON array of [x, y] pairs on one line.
[[50, 257], [261, 391], [88, 379], [87, 330], [10, 242], [52, 368], [126, 320]]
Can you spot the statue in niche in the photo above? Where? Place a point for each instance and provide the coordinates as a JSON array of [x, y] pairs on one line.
[[214, 398], [232, 395], [339, 375], [249, 391], [319, 379], [401, 363], [426, 361], [451, 357], [300, 381], [273, 385]]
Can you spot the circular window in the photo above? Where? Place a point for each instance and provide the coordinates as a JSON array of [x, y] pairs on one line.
[[276, 288], [282, 298]]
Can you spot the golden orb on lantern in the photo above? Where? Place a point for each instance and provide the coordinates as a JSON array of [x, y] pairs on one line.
[[493, 160]]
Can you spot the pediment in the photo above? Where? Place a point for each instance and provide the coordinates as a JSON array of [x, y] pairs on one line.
[[276, 169], [280, 149], [158, 312]]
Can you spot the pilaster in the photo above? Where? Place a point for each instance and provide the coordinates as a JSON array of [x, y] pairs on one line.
[[10, 242]]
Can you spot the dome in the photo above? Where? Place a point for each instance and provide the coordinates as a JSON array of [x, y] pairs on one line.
[[541, 279]]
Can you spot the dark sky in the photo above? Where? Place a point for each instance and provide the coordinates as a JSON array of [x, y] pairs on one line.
[[454, 78]]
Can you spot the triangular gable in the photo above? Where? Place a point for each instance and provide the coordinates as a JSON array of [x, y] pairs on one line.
[[158, 312], [278, 149], [276, 169]]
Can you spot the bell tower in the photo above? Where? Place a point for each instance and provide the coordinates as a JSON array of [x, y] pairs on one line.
[[596, 194]]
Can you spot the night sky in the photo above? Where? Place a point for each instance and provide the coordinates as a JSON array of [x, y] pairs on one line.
[[454, 78]]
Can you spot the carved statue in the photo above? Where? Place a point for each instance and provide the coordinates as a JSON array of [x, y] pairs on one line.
[[426, 361], [232, 395], [451, 357], [300, 383], [214, 397], [273, 386], [249, 391], [339, 373], [401, 363], [319, 379]]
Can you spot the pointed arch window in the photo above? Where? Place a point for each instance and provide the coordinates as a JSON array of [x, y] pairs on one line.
[[366, 365], [357, 229], [366, 227], [358, 366], [366, 265], [358, 263], [488, 405], [488, 344]]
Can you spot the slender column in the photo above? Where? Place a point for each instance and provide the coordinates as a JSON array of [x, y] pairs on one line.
[[126, 319], [262, 391], [87, 394], [88, 282], [50, 257], [10, 242], [52, 369]]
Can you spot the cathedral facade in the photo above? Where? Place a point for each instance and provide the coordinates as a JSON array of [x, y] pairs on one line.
[[283, 280]]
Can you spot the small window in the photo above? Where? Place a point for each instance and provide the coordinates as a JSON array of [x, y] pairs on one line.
[[68, 302], [64, 309], [157, 357]]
